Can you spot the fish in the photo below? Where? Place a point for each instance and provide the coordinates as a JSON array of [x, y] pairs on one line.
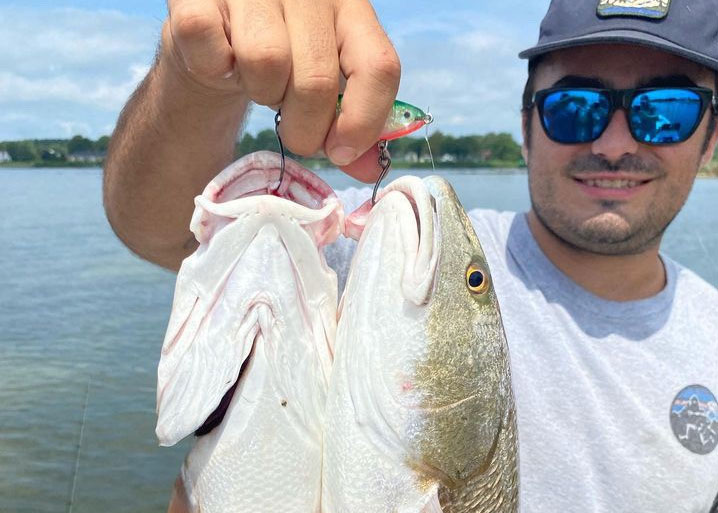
[[420, 413], [247, 355], [402, 120]]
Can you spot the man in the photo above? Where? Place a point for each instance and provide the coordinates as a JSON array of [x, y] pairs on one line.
[[607, 336]]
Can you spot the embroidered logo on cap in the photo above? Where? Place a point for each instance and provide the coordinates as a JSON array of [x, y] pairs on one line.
[[640, 8], [694, 419]]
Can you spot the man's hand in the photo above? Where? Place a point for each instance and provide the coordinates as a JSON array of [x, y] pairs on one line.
[[291, 54], [179, 128]]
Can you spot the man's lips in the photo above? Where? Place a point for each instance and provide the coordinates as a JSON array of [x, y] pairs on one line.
[[612, 185]]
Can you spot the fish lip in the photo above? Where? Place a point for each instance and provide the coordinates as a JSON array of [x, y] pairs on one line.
[[270, 163]]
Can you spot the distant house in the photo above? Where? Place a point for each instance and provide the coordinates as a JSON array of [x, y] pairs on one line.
[[87, 157], [52, 155], [5, 156]]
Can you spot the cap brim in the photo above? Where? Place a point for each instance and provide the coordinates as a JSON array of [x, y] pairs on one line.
[[621, 36]]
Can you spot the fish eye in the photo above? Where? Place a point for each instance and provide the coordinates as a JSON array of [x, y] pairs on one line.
[[476, 280], [407, 114]]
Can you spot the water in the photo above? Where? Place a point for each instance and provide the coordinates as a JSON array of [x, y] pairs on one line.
[[75, 305]]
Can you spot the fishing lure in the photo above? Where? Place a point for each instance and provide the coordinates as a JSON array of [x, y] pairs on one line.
[[403, 119]]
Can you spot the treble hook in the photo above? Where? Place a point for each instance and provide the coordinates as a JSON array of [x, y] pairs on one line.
[[277, 120], [385, 163]]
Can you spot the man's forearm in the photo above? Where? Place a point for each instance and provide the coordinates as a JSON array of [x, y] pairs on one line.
[[171, 139]]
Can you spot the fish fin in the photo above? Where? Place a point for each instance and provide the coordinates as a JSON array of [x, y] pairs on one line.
[[195, 373]]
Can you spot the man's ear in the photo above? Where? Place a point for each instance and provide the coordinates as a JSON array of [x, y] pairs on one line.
[[525, 133]]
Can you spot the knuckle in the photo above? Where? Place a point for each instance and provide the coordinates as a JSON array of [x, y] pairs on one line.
[[316, 86], [386, 67], [268, 59], [264, 70], [192, 23]]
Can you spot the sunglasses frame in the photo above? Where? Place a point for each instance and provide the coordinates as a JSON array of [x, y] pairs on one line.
[[622, 99]]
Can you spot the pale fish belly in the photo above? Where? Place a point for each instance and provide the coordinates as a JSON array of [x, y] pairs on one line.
[[255, 305]]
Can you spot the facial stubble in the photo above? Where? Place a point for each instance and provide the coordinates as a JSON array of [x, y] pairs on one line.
[[610, 232]]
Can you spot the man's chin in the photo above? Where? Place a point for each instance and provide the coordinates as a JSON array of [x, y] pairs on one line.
[[606, 228], [609, 240], [607, 233]]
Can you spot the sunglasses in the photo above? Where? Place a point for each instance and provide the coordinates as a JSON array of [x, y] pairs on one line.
[[656, 115]]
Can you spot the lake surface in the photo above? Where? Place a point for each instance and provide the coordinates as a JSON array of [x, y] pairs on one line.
[[82, 322]]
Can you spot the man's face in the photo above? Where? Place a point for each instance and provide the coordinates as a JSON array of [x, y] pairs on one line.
[[613, 196]]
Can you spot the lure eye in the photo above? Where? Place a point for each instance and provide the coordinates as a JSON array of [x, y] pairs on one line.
[[407, 114], [476, 280]]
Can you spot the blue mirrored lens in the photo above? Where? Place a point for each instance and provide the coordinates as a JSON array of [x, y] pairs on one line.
[[575, 116], [665, 116]]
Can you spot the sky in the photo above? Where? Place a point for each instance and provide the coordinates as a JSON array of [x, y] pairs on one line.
[[67, 67]]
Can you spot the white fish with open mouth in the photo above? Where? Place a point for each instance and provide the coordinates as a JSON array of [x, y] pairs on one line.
[[248, 351], [420, 413]]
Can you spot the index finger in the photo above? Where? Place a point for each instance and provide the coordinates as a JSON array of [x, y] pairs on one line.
[[371, 65]]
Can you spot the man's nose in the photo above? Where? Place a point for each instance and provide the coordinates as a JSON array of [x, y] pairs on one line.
[[616, 141]]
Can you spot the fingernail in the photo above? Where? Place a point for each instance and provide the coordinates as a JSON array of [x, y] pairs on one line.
[[342, 155]]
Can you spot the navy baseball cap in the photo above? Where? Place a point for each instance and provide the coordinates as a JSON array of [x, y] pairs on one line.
[[688, 28]]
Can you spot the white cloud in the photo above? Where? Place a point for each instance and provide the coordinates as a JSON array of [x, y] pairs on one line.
[[69, 69], [101, 93], [14, 117], [75, 39], [478, 42], [71, 128]]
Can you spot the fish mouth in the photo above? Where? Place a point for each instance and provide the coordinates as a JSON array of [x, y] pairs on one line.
[[258, 173], [217, 416]]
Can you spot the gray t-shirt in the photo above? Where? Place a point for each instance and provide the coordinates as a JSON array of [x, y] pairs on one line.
[[615, 400]]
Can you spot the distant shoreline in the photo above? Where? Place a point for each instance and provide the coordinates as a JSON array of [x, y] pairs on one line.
[[308, 163], [495, 166], [49, 164]]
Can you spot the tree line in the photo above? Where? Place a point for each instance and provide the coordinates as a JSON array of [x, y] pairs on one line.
[[490, 150], [55, 150], [493, 149]]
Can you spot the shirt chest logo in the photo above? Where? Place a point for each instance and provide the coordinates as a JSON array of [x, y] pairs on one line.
[[694, 419], [655, 9]]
